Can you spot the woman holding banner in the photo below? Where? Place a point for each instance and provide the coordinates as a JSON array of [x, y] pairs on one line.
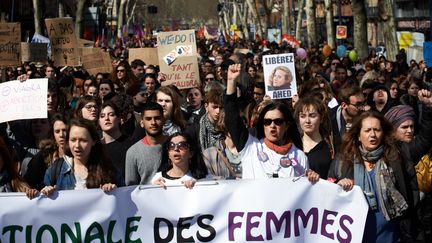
[[276, 150], [85, 164], [371, 158], [184, 165]]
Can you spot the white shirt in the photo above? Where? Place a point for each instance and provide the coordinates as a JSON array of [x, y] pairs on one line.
[[255, 166], [170, 182]]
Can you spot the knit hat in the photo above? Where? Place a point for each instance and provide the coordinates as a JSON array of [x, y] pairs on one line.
[[399, 114]]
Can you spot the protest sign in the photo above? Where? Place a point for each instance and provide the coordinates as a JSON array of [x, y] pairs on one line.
[[427, 53], [85, 43], [178, 58], [341, 32], [224, 211], [95, 60], [64, 44], [274, 35], [148, 55], [23, 100], [10, 44], [280, 76], [42, 39], [34, 52]]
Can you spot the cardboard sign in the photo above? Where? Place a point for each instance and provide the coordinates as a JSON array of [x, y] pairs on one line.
[[178, 55], [64, 43], [10, 44], [34, 52], [341, 32], [280, 76], [85, 43], [42, 39], [95, 60], [23, 100], [148, 55]]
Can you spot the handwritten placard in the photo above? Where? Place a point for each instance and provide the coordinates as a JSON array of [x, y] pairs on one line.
[[95, 60], [148, 55], [10, 44], [279, 75], [34, 52], [64, 43], [23, 100], [178, 58]]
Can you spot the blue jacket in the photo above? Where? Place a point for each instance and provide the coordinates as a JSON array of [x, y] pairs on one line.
[[60, 174]]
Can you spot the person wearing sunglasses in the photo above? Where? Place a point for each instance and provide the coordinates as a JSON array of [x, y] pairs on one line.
[[123, 75], [184, 163], [275, 151]]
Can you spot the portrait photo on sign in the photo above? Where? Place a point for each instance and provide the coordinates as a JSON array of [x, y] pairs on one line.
[[279, 74]]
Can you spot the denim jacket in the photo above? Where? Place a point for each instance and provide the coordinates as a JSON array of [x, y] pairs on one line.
[[65, 178]]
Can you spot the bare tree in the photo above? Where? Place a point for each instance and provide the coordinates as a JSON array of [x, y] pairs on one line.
[[310, 19], [79, 18], [61, 9], [360, 27], [299, 19], [329, 23], [121, 15], [286, 20], [131, 12], [37, 16], [242, 15], [385, 9], [255, 17]]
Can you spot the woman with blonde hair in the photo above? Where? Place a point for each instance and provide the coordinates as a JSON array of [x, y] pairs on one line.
[[280, 78]]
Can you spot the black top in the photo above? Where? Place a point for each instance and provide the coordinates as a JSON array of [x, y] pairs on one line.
[[116, 151], [320, 159]]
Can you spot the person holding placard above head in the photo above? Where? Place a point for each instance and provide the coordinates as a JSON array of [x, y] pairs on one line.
[[276, 149], [280, 78]]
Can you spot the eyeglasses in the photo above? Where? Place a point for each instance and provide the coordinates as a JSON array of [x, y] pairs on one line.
[[359, 105], [120, 70], [277, 121], [181, 145], [89, 107], [209, 79]]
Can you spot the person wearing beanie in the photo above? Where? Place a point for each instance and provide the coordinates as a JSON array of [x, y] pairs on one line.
[[402, 118]]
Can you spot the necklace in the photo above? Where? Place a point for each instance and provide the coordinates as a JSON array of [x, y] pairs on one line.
[[370, 165]]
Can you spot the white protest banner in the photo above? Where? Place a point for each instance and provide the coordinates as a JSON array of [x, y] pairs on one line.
[[63, 40], [273, 210], [177, 55], [10, 44], [280, 76], [23, 100], [274, 35]]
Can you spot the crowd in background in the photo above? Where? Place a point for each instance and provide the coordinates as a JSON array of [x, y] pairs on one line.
[[353, 122]]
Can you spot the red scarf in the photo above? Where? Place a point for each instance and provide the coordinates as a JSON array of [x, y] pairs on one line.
[[278, 149]]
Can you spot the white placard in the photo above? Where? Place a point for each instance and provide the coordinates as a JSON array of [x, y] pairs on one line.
[[276, 210], [23, 100], [279, 75]]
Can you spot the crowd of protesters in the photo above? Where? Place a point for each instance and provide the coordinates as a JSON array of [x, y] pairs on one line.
[[352, 122]]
